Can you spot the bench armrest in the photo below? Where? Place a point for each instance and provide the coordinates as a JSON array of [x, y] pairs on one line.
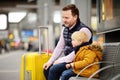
[[92, 65], [116, 77], [106, 67]]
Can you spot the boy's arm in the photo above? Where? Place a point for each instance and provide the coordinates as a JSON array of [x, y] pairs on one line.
[[88, 59]]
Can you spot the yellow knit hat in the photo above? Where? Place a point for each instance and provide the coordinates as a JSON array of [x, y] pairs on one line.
[[80, 35]]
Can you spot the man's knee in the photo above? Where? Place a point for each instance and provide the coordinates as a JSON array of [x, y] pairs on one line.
[[52, 69]]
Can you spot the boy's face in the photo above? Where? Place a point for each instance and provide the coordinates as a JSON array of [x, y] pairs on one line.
[[76, 43]]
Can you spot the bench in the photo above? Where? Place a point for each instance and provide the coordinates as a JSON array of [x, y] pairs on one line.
[[110, 65]]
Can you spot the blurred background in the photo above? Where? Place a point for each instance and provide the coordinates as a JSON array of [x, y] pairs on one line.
[[19, 20]]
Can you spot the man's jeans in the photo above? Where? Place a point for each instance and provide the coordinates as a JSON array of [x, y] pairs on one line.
[[55, 71]]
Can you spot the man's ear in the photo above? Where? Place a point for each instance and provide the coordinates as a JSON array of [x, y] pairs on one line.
[[76, 16]]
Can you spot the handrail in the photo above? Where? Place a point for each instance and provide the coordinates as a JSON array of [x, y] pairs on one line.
[[92, 65], [115, 77]]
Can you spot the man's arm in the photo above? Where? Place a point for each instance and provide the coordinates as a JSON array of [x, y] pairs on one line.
[[58, 50], [67, 59]]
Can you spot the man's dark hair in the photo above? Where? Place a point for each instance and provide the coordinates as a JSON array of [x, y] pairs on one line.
[[73, 9]]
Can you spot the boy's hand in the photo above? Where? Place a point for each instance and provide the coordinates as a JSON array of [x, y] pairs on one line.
[[68, 66]]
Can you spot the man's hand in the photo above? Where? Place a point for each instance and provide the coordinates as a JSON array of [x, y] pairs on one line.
[[46, 66]]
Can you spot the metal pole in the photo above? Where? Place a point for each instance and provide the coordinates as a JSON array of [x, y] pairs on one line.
[[45, 14]]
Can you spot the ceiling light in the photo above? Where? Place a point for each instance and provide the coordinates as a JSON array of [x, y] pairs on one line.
[[15, 17]]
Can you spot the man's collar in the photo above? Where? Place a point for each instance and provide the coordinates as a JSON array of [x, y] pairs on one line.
[[71, 26]]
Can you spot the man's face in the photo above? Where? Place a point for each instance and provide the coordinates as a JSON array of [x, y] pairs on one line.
[[68, 19]]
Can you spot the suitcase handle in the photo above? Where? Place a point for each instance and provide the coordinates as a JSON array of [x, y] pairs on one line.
[[39, 28]]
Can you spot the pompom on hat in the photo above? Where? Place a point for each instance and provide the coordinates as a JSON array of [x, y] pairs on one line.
[[80, 35]]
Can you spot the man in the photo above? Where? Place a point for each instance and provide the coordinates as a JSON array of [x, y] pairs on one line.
[[71, 23]]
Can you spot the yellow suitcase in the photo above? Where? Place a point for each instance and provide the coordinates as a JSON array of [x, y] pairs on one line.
[[32, 65]]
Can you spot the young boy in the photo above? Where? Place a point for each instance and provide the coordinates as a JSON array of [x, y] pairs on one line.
[[85, 55]]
